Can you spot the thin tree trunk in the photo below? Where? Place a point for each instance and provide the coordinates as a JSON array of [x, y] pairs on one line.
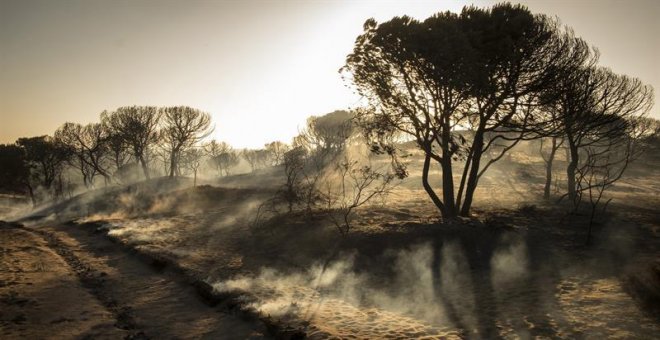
[[473, 179], [429, 190], [570, 170], [548, 169], [31, 192], [447, 174], [172, 162], [461, 187], [145, 169], [106, 179]]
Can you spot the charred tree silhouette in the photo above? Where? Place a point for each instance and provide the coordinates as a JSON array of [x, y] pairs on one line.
[[257, 159], [118, 151], [324, 140], [225, 162], [15, 172], [250, 156], [548, 159], [66, 136], [214, 148], [601, 117], [475, 71], [312, 156], [552, 128], [89, 146], [117, 146], [221, 157], [44, 159], [350, 186], [192, 160], [595, 109], [184, 127], [294, 165], [327, 134], [276, 151], [138, 128], [651, 140]]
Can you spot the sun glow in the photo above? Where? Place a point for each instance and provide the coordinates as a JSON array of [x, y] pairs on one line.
[[260, 68]]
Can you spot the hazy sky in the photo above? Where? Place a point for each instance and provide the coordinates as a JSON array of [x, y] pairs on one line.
[[259, 67]]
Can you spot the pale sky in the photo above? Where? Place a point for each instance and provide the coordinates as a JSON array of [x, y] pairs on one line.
[[259, 67]]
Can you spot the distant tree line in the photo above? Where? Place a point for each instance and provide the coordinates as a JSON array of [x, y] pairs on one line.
[[126, 144]]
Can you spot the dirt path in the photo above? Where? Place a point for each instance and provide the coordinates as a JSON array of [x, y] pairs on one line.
[[41, 297], [64, 282]]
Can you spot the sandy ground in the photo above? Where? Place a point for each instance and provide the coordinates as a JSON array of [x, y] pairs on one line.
[[60, 282], [518, 269], [520, 275], [41, 296]]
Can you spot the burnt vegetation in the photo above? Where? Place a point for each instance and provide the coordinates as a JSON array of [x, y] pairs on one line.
[[464, 89], [446, 101]]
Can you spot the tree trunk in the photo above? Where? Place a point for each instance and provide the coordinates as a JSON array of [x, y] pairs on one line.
[[548, 169], [448, 188], [571, 168], [429, 190], [473, 177], [31, 192], [106, 179], [461, 186], [177, 164], [447, 173], [172, 162], [145, 169]]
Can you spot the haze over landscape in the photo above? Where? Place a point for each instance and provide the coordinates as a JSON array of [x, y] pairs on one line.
[[269, 64], [329, 169]]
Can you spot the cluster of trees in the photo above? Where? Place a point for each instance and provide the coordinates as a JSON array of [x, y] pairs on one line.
[[126, 144], [467, 87], [122, 139], [224, 158], [328, 173], [324, 169], [133, 135], [31, 163]]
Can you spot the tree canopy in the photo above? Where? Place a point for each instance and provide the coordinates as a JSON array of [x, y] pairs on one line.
[[481, 71]]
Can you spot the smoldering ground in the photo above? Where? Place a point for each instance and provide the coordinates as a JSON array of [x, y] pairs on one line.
[[507, 272], [466, 196], [454, 286]]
